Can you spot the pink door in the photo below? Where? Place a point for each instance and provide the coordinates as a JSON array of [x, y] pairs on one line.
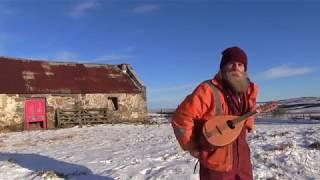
[[35, 111]]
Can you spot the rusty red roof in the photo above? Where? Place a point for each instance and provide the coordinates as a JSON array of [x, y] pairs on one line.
[[25, 76]]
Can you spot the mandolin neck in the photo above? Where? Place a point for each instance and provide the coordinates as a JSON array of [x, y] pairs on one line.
[[244, 117]]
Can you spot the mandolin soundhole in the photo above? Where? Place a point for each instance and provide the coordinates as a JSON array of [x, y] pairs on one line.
[[230, 124]]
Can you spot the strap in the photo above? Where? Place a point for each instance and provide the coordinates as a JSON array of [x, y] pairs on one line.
[[216, 95], [218, 108], [195, 166]]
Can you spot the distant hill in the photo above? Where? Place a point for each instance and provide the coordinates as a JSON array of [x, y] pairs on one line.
[[302, 104]]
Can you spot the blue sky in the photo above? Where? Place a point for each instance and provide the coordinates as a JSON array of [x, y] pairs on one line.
[[173, 45]]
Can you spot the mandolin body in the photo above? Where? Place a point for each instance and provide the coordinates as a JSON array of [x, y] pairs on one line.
[[220, 130]]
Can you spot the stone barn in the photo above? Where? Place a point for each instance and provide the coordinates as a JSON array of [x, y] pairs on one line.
[[49, 94]]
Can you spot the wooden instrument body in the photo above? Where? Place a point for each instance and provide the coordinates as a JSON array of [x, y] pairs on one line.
[[223, 130], [217, 131]]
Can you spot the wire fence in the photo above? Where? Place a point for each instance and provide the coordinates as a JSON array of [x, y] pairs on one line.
[[295, 115]]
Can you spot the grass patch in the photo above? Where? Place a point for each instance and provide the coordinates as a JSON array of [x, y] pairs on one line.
[[279, 147], [280, 134], [315, 145]]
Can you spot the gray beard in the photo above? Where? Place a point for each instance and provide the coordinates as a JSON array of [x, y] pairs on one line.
[[237, 81]]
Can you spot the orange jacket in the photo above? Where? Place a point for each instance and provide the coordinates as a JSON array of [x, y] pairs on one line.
[[199, 106]]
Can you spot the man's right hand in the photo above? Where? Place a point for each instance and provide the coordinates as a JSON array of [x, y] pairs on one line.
[[195, 153]]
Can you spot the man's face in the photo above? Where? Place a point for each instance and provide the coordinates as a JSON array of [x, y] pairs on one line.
[[236, 76], [235, 66]]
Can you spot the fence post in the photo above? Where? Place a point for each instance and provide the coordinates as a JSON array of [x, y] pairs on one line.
[[58, 118]]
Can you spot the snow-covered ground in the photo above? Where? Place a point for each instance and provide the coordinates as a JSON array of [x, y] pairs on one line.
[[279, 149]]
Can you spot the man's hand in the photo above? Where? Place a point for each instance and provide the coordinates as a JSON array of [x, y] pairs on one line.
[[195, 153]]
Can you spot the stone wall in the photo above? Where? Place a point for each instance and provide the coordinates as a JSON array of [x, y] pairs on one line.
[[124, 107]]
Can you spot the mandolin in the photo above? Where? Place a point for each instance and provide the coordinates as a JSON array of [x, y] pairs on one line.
[[222, 130]]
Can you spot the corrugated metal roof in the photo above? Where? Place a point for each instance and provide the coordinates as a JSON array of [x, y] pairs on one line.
[[25, 76]]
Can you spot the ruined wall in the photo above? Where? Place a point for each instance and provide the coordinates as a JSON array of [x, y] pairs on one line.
[[122, 107], [11, 112]]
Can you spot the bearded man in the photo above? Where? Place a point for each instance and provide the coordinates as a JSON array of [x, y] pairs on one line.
[[230, 92]]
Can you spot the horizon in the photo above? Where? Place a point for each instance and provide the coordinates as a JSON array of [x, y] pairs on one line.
[[173, 45], [258, 102]]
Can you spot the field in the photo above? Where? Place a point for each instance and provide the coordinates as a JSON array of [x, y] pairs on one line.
[[280, 149]]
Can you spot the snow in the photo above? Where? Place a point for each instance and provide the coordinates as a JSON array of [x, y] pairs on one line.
[[279, 150]]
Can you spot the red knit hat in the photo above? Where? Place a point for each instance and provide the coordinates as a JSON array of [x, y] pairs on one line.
[[234, 54]]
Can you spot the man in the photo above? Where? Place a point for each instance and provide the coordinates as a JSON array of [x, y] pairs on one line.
[[230, 92]]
